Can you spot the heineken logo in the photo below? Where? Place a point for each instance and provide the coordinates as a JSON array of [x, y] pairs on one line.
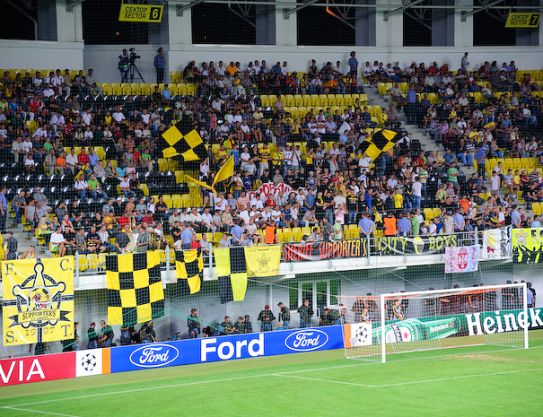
[[500, 322]]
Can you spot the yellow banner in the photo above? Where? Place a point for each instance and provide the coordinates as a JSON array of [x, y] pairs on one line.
[[263, 261], [38, 300], [526, 20], [144, 13], [528, 245]]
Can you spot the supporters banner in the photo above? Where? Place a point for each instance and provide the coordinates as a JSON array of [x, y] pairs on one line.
[[496, 243], [418, 245], [37, 368], [38, 300], [134, 287], [270, 189], [528, 245], [315, 251], [464, 259]]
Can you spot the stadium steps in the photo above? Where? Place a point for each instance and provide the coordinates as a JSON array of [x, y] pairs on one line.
[[414, 132]]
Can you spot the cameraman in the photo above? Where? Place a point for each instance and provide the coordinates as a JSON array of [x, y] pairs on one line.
[[159, 62], [124, 61]]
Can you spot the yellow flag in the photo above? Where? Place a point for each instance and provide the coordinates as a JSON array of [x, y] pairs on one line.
[[226, 171], [263, 261], [200, 183]]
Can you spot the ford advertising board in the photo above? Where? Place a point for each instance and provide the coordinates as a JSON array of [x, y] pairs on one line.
[[222, 348]]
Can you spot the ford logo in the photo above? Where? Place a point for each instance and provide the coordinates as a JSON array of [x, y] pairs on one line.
[[306, 340], [154, 356]]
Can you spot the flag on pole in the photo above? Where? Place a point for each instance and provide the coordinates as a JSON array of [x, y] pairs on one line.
[[381, 141], [226, 171]]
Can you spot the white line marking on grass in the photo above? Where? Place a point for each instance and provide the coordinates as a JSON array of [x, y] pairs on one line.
[[49, 413], [326, 380], [129, 391], [399, 384], [452, 378]]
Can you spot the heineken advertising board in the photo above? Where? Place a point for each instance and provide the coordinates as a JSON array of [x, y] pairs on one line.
[[456, 325]]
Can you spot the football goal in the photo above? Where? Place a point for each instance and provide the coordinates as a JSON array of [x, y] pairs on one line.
[[436, 319]]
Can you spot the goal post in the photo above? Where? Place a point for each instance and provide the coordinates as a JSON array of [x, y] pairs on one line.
[[493, 315]]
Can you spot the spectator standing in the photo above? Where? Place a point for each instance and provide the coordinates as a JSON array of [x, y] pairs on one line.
[[160, 63], [248, 326], [306, 313], [11, 247], [92, 336], [266, 317], [194, 324], [283, 316], [106, 335], [3, 209]]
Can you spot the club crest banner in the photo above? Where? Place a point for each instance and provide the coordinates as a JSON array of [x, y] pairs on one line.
[[38, 300], [528, 245], [463, 259]]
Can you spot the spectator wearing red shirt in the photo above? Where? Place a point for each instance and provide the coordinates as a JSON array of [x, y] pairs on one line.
[[83, 157]]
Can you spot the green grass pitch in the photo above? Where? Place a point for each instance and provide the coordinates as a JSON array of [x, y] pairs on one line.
[[476, 381]]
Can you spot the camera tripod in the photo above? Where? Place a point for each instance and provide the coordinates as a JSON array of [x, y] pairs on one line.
[[132, 67]]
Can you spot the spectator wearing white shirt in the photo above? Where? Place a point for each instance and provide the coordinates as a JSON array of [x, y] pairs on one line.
[[87, 117], [118, 116]]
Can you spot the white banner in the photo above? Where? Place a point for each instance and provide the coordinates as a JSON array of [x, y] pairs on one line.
[[496, 243]]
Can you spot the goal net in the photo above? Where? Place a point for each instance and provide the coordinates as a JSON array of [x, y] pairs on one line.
[[436, 319]]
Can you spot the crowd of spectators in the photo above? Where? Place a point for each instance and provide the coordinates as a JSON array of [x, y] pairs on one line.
[[103, 152]]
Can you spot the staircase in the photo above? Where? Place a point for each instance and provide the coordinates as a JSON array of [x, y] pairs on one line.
[[414, 131]]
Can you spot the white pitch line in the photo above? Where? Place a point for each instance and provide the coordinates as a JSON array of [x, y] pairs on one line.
[[49, 413], [211, 381], [452, 378], [325, 380], [129, 391], [399, 384]]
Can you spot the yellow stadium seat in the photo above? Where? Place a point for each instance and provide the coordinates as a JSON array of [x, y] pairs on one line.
[[82, 263], [265, 100], [306, 231], [323, 99], [144, 188], [107, 91], [307, 100], [177, 201], [297, 234], [191, 89], [185, 199], [92, 261], [287, 235], [298, 100], [135, 89], [145, 90]]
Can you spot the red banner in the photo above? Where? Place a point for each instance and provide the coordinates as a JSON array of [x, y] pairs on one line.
[[314, 251], [37, 368]]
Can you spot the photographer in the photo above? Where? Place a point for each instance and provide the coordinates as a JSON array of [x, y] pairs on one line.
[[159, 62], [124, 62]]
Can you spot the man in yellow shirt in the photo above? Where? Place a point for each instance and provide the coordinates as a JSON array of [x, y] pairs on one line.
[[398, 199]]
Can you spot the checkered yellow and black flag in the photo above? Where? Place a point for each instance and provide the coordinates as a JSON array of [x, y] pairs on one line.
[[189, 268], [188, 147], [135, 293], [381, 141], [231, 268]]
